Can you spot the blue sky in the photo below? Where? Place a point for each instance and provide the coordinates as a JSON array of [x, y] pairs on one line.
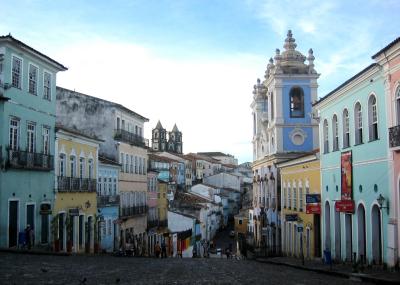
[[194, 62]]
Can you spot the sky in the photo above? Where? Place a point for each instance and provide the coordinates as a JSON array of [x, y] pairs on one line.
[[194, 62]]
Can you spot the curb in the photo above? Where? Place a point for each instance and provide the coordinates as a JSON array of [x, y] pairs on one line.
[[33, 252], [363, 277]]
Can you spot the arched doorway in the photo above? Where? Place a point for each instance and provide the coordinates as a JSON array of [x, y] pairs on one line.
[[327, 213], [376, 235], [338, 236], [349, 236], [361, 232]]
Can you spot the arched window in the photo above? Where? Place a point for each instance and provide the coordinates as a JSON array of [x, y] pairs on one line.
[[90, 171], [296, 102], [346, 128], [358, 123], [62, 170], [294, 196], [335, 132], [325, 137], [72, 168], [372, 118], [272, 105]]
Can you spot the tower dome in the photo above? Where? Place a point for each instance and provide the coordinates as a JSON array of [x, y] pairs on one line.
[[291, 60]]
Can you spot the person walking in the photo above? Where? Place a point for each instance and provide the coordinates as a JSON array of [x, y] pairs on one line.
[[29, 236], [157, 250], [163, 250]]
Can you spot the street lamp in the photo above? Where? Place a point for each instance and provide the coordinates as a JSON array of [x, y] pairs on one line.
[[381, 201]]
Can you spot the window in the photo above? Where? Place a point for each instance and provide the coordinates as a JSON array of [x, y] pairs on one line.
[[131, 165], [136, 165], [33, 72], [284, 197], [126, 163], [296, 102], [294, 197], [109, 227], [372, 118], [289, 197], [14, 134], [90, 162], [47, 86], [121, 161], [335, 130], [346, 128], [110, 186], [81, 167], [105, 188], [16, 72], [115, 186], [325, 136], [31, 134], [300, 198], [62, 165], [46, 140], [358, 123], [99, 188], [118, 123], [72, 165]]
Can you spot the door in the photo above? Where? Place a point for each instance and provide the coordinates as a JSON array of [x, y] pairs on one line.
[[13, 224], [317, 235], [44, 238], [349, 237], [81, 229]]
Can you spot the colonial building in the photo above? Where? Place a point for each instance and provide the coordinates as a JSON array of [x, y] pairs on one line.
[[27, 116], [75, 224], [122, 132], [301, 206], [283, 128], [355, 168], [108, 201], [389, 59]]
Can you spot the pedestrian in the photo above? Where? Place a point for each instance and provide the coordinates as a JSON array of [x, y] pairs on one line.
[[29, 236], [157, 250], [163, 250]]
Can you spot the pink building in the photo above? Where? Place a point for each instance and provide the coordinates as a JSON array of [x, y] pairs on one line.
[[389, 59]]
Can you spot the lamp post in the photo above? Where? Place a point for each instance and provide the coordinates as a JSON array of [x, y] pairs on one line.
[[381, 201]]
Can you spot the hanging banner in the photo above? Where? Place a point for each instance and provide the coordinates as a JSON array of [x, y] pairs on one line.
[[313, 209], [346, 176], [346, 206]]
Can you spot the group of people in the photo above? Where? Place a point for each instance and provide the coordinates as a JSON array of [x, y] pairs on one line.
[[160, 250]]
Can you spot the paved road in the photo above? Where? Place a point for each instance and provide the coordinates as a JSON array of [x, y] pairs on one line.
[[39, 269]]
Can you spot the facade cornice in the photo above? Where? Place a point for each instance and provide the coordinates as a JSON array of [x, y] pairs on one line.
[[348, 86]]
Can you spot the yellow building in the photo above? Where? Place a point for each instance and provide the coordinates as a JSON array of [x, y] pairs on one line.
[[162, 203], [74, 225], [301, 222]]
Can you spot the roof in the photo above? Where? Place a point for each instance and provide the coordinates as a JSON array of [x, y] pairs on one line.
[[202, 157], [215, 153], [161, 158], [106, 160], [23, 45], [175, 128], [77, 132], [190, 198], [159, 126], [386, 48], [113, 104], [182, 214], [207, 185], [346, 82]]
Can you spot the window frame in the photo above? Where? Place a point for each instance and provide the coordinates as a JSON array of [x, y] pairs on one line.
[[20, 72], [358, 123], [14, 133], [34, 92], [292, 109], [47, 88], [31, 137], [373, 118], [325, 135], [346, 128], [335, 133]]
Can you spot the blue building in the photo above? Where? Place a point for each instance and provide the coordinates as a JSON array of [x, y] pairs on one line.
[[27, 135], [283, 128], [108, 201], [355, 169]]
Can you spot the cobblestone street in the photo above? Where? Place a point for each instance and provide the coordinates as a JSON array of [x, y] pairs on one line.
[[44, 269]]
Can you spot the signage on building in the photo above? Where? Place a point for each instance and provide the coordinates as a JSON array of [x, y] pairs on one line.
[[291, 217], [313, 209], [346, 167], [313, 198], [45, 209], [346, 206]]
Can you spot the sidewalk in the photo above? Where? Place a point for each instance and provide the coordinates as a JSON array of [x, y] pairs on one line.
[[369, 274], [34, 251]]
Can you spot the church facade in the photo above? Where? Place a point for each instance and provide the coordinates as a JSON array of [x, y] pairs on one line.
[[283, 128], [160, 142]]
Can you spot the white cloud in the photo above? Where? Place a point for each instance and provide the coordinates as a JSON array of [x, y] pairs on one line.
[[207, 99]]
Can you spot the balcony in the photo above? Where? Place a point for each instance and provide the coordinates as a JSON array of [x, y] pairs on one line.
[[133, 211], [74, 184], [103, 201], [131, 138], [394, 136], [30, 160]]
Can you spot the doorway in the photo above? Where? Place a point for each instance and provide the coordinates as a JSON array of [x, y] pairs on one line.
[[338, 235], [349, 237], [376, 235], [361, 233], [327, 226], [317, 235], [13, 223]]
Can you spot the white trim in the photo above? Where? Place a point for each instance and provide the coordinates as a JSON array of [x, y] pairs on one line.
[[22, 71], [37, 78], [50, 87]]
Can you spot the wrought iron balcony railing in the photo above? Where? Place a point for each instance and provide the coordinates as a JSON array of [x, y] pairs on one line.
[[74, 184], [30, 160], [131, 138], [111, 200], [133, 211], [394, 136]]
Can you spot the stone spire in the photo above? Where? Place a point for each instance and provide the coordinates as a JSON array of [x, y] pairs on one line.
[[159, 126], [175, 129], [270, 68], [310, 59]]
